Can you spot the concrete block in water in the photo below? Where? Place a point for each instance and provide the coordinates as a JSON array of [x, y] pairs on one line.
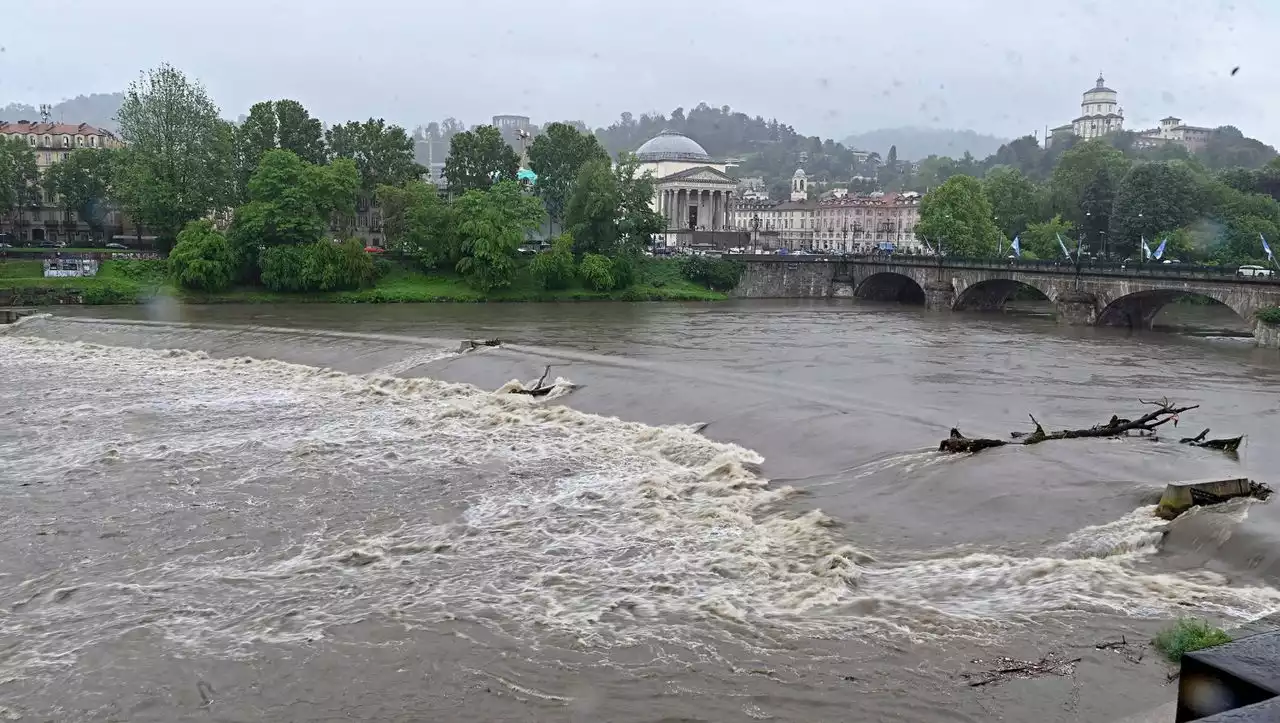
[[1237, 681], [1179, 497]]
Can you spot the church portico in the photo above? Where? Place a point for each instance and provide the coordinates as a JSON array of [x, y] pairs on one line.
[[692, 191]]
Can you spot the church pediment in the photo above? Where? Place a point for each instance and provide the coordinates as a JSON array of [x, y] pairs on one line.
[[703, 174]]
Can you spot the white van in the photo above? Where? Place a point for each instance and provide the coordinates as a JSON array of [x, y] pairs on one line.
[[1255, 271]]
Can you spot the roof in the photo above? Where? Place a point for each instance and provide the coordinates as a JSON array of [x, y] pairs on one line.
[[53, 129], [721, 177], [1172, 118], [671, 146]]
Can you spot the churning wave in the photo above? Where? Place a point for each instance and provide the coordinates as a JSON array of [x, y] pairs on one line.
[[227, 501]]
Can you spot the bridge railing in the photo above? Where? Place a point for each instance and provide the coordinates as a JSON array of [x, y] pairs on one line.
[[1086, 268]]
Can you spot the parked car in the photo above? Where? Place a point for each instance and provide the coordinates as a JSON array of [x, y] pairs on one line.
[[374, 249], [117, 246], [1250, 270]]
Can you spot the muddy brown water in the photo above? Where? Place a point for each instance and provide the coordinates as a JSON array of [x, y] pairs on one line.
[[308, 513]]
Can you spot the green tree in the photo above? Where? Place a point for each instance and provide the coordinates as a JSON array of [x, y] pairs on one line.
[[478, 159], [1013, 197], [1080, 168], [491, 225], [557, 156], [1096, 203], [956, 218], [554, 268], [1041, 238], [19, 175], [1155, 197], [610, 211], [202, 259], [82, 183], [592, 213], [419, 223], [283, 124], [281, 208], [176, 165], [596, 272], [383, 154]]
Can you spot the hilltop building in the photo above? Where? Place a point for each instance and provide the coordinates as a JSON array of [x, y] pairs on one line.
[[1101, 114]]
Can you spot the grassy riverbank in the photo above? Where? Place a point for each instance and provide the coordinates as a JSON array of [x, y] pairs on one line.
[[128, 282]]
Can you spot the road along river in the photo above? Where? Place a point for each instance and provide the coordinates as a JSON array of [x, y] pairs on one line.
[[313, 513]]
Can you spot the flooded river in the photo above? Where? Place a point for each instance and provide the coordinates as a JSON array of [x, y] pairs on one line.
[[323, 513]]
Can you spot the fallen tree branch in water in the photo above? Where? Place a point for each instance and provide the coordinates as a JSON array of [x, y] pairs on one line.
[[537, 390], [471, 344], [1009, 668], [1230, 445], [1165, 412]]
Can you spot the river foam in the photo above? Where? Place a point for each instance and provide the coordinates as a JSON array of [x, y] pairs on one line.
[[229, 501]]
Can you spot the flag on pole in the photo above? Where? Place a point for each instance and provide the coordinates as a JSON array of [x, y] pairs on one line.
[[1016, 247], [1160, 249], [1266, 247], [1146, 250], [1063, 246], [927, 247]]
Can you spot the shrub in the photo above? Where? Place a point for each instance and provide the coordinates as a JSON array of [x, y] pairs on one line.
[[320, 266], [1270, 315], [624, 271], [382, 267], [717, 274], [554, 268], [202, 258], [109, 291], [596, 272], [1187, 635], [144, 271]]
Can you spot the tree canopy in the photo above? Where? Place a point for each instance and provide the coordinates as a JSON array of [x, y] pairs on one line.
[[176, 163], [557, 157], [956, 218], [478, 159]]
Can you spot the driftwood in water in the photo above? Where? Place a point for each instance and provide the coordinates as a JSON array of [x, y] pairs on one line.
[[537, 390], [1004, 669], [1165, 411], [471, 344], [1230, 445]]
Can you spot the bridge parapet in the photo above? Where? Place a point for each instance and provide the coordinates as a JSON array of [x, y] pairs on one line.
[[1112, 296]]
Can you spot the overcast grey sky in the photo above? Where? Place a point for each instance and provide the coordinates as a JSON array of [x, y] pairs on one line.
[[828, 67]]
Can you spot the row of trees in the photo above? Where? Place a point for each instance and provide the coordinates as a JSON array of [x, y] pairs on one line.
[[1107, 201]]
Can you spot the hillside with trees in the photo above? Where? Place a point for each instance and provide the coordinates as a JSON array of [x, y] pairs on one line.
[[97, 109], [914, 144]]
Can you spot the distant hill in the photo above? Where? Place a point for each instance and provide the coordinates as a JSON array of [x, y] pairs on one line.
[[915, 144], [98, 110]]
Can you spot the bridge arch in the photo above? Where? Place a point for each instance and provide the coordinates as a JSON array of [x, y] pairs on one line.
[[991, 294], [890, 286], [1138, 310]]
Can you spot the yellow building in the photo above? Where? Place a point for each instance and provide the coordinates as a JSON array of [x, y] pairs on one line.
[[52, 143]]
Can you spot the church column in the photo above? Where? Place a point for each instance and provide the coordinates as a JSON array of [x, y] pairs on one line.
[[717, 211]]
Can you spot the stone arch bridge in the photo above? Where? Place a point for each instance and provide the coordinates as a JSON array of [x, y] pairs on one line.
[[1110, 295]]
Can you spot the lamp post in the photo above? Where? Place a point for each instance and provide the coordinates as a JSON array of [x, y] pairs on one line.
[[844, 234], [755, 232], [1142, 255]]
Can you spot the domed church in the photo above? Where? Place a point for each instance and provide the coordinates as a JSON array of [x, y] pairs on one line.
[[691, 189]]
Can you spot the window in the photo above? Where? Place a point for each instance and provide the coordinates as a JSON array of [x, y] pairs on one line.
[[65, 155], [93, 141], [48, 140], [48, 157], [32, 140], [66, 141]]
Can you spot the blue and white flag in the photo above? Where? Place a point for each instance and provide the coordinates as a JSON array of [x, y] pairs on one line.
[[1146, 250], [1016, 247], [1160, 249], [1266, 247], [1065, 252]]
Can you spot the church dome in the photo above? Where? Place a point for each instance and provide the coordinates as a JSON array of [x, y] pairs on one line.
[[671, 146]]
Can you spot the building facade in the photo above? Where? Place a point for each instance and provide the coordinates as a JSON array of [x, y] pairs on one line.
[[692, 191], [839, 224], [48, 221], [1173, 130]]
